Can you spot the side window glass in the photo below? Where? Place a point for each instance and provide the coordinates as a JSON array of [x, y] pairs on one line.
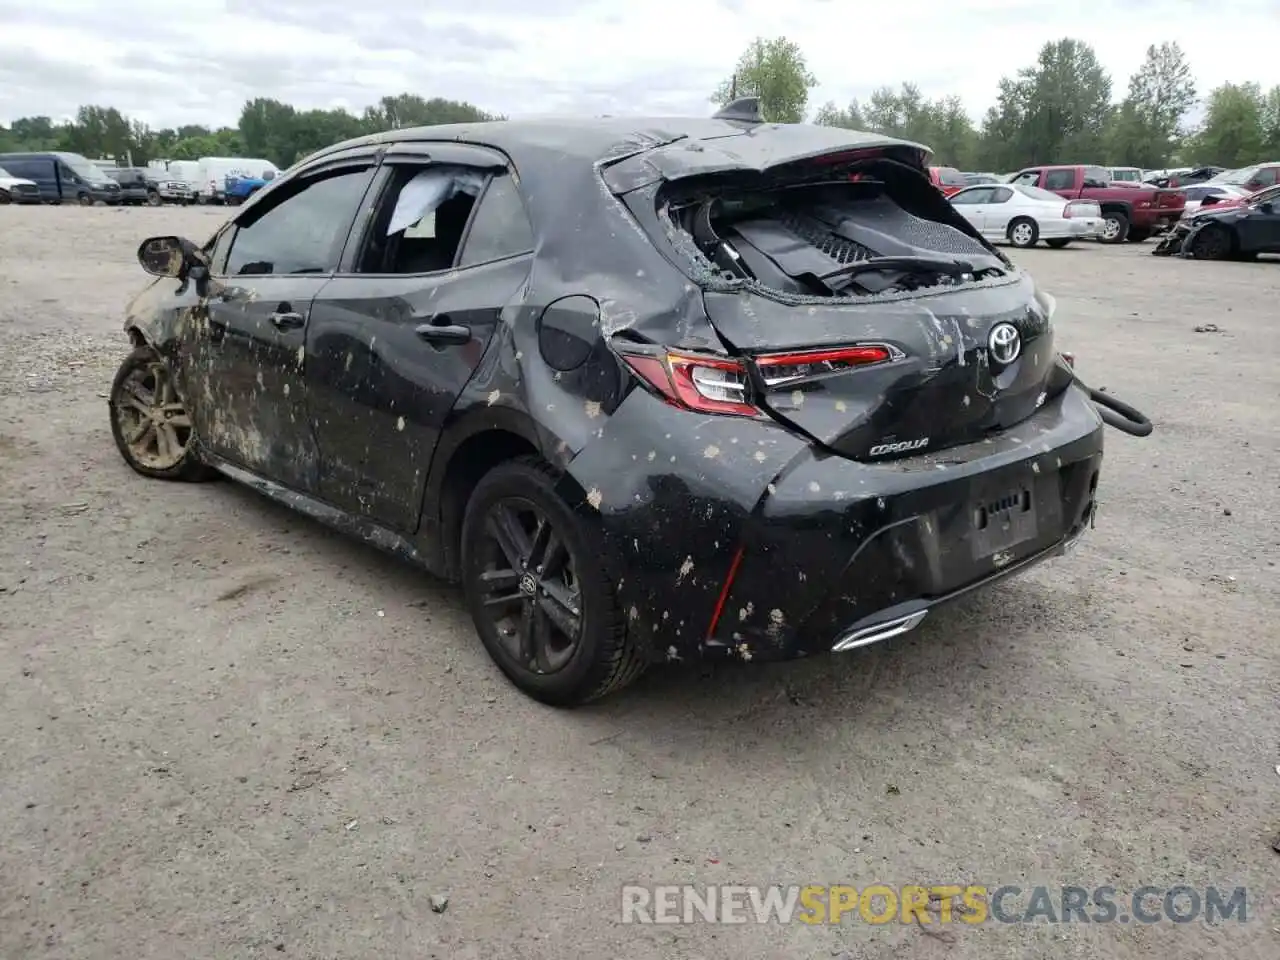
[[1267, 177], [965, 197], [1060, 180], [501, 227], [1001, 195], [303, 232], [420, 220]]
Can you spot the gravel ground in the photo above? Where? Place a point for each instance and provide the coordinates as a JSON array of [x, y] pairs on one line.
[[229, 732]]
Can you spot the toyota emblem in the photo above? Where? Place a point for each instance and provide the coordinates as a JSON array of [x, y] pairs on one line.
[[1004, 343]]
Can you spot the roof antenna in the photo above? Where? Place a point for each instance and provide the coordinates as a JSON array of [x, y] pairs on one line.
[[742, 110]]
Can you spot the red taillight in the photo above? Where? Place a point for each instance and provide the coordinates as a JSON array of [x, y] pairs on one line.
[[1066, 212], [779, 368], [721, 385], [705, 384]]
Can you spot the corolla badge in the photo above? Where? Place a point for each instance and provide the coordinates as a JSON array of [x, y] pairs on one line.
[[1004, 343]]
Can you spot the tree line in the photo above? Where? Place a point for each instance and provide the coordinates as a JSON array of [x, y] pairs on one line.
[[1060, 109], [267, 128]]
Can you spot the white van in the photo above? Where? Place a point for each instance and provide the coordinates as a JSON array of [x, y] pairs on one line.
[[210, 185], [185, 171]]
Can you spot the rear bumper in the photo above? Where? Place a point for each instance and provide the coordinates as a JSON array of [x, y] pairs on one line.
[[761, 548], [1075, 228]]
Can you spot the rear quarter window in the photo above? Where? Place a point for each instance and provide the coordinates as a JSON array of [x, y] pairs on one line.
[[500, 227]]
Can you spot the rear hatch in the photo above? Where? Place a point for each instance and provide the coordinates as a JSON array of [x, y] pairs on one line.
[[867, 315]]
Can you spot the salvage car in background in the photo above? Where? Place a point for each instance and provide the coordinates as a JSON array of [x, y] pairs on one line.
[[1254, 178], [1208, 195], [134, 188], [1025, 215], [947, 179], [17, 189], [1235, 232], [650, 389]]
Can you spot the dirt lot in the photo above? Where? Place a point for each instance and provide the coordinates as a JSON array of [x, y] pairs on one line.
[[228, 732]]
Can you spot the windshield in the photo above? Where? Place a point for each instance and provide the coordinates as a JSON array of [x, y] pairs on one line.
[[1035, 193]]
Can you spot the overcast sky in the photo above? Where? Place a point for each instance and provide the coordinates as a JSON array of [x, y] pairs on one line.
[[168, 62]]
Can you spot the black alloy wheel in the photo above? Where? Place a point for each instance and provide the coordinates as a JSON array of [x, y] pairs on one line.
[[545, 610], [530, 586]]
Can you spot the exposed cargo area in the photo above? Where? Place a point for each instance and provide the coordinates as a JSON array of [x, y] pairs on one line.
[[833, 238]]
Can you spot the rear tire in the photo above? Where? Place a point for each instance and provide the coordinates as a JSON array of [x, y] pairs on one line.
[[1115, 227], [154, 199], [84, 199], [150, 423], [544, 608], [4, 197], [1023, 232], [1056, 244]]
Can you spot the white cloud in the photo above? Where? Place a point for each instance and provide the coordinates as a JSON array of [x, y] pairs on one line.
[[196, 62]]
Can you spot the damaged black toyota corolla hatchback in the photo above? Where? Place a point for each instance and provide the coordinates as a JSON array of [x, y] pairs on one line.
[[652, 390]]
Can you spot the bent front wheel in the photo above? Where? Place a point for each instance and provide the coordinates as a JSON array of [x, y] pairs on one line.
[[149, 421]]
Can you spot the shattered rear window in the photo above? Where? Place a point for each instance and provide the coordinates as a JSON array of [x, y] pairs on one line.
[[827, 238]]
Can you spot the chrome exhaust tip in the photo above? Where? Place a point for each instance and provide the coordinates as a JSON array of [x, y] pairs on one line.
[[879, 631]]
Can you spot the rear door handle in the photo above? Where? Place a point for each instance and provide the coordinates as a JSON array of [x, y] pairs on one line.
[[441, 331], [285, 319]]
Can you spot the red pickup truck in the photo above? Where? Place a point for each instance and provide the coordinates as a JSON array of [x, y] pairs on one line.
[[1130, 211]]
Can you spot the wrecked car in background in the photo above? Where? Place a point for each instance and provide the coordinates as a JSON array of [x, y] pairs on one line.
[[1232, 230], [651, 390]]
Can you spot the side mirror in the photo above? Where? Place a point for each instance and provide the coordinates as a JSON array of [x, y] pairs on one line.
[[169, 256], [1266, 206]]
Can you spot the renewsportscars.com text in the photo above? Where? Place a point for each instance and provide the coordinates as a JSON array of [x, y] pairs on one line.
[[935, 904]]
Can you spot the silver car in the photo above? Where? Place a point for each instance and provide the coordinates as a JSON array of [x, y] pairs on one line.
[[1023, 215]]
